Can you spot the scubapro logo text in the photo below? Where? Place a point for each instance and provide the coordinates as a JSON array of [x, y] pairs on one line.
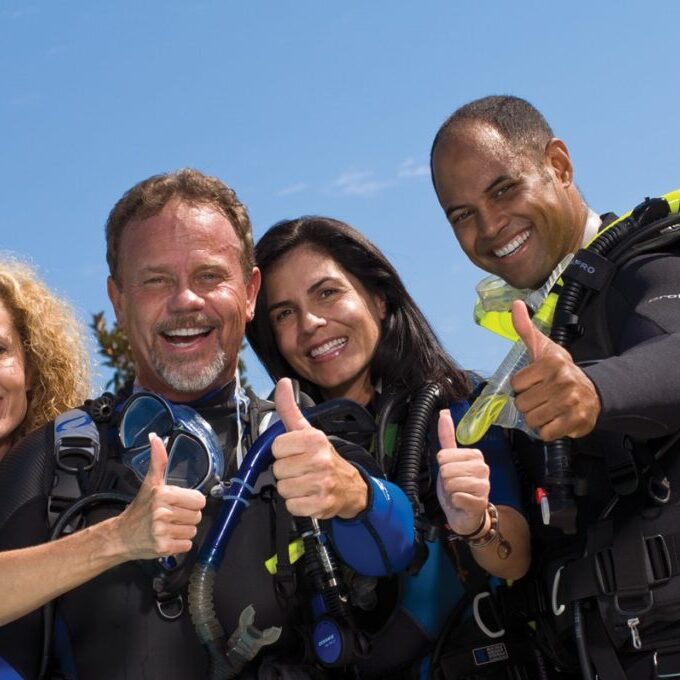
[[587, 268], [669, 296]]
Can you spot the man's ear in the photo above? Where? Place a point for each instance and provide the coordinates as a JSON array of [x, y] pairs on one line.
[[558, 161], [116, 297], [252, 289]]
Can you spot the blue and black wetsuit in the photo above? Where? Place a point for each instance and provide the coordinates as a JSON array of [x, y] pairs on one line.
[[423, 602]]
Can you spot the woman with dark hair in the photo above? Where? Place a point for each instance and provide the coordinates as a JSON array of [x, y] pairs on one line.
[[334, 315]]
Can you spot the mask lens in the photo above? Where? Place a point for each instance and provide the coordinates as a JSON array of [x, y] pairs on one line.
[[188, 462], [143, 415], [138, 460]]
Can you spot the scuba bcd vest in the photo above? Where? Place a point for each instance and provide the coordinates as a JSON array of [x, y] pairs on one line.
[[623, 593]]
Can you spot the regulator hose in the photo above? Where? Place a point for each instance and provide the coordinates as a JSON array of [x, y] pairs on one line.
[[412, 442], [321, 566], [237, 495]]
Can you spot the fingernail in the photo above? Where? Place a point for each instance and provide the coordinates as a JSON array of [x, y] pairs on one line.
[[152, 436]]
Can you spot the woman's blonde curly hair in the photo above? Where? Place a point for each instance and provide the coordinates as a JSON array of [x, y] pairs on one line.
[[57, 362]]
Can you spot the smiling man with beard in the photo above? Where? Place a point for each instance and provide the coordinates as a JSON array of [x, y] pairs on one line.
[[183, 285], [183, 289]]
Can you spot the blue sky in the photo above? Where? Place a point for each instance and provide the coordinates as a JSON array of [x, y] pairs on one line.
[[316, 107]]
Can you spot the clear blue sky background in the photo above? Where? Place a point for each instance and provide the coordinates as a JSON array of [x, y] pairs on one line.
[[316, 107]]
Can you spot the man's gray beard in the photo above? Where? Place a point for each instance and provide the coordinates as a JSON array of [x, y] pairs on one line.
[[183, 377]]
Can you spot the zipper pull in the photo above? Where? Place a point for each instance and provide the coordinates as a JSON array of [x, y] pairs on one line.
[[634, 633]]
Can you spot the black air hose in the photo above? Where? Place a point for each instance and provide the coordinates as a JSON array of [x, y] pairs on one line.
[[413, 439]]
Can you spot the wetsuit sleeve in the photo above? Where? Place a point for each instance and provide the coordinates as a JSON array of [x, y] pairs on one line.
[[639, 387], [380, 540], [24, 486]]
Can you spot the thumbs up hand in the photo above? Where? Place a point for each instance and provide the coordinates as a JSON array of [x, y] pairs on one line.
[[556, 397], [312, 477], [463, 481], [162, 519]]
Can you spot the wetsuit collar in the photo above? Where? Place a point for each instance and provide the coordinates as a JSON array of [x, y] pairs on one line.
[[593, 223]]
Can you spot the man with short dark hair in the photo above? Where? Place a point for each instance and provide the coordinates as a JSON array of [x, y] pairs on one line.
[[183, 285], [506, 184]]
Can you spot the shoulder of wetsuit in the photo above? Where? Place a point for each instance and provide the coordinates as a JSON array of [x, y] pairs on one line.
[[26, 471]]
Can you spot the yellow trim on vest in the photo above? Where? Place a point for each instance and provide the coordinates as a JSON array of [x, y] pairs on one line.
[[296, 550]]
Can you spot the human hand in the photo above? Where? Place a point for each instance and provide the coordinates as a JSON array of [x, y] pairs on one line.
[[162, 519], [313, 479], [556, 397], [463, 480]]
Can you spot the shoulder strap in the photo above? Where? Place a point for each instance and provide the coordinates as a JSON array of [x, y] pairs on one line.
[[77, 453]]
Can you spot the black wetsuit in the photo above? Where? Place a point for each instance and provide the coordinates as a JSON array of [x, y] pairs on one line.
[[630, 349], [113, 625]]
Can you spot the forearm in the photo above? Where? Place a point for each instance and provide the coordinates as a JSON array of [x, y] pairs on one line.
[[33, 576], [515, 531], [639, 391]]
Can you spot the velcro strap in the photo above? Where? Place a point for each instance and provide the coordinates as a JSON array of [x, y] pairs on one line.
[[589, 269]]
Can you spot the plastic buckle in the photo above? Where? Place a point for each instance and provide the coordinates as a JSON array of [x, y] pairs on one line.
[[478, 619], [604, 571], [647, 606], [80, 450], [659, 558]]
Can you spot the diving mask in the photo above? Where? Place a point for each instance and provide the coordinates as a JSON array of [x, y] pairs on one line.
[[195, 459]]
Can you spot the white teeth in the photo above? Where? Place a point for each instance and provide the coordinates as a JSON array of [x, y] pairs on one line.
[[186, 331], [511, 247], [327, 347]]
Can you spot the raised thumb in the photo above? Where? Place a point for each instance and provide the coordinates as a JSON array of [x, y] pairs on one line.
[[288, 410], [534, 340], [446, 430], [158, 461]]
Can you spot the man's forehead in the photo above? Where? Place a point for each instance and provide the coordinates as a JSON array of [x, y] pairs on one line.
[[180, 219], [477, 141]]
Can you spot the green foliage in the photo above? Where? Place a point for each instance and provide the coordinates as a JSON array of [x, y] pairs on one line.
[[115, 348]]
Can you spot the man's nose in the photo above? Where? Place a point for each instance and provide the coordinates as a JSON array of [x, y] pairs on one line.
[[185, 299], [491, 221]]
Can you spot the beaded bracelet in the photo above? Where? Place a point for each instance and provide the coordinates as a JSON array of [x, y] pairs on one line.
[[493, 534]]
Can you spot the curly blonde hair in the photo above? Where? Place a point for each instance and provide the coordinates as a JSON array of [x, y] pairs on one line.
[[53, 340]]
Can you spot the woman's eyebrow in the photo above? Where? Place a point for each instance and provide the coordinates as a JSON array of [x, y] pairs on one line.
[[312, 289]]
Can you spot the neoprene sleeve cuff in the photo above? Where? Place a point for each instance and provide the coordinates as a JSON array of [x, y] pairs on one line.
[[380, 540]]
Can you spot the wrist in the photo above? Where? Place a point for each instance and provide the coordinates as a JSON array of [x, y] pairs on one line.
[[472, 529], [357, 498], [492, 536], [112, 534]]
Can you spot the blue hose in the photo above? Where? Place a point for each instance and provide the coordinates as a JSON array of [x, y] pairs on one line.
[[202, 581]]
